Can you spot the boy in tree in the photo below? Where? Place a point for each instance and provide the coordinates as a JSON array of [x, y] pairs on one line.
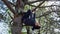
[[29, 19]]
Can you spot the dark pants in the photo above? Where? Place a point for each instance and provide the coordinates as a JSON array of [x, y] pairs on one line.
[[29, 22], [36, 27]]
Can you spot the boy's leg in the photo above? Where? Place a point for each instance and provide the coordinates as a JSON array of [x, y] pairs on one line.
[[36, 26]]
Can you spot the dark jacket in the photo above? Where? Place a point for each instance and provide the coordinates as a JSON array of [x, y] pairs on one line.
[[29, 18]]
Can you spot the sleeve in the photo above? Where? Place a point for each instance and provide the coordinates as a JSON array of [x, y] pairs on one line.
[[34, 15]]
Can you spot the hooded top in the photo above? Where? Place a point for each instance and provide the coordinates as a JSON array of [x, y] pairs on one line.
[[29, 18]]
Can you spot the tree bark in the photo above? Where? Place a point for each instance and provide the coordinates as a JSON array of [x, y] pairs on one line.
[[17, 24]]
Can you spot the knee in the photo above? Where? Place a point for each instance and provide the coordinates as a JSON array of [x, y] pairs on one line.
[[37, 27]]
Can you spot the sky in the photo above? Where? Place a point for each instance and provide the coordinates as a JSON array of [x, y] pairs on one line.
[[3, 27]]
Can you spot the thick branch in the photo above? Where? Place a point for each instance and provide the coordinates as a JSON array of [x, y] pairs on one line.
[[9, 6], [19, 4]]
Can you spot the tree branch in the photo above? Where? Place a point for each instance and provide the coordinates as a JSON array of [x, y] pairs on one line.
[[10, 15], [38, 6], [32, 2], [12, 3], [46, 13], [43, 6], [9, 6], [20, 4]]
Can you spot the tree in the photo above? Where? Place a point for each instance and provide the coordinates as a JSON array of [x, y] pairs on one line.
[[17, 7]]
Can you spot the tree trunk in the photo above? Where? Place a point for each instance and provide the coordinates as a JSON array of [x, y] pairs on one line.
[[17, 25]]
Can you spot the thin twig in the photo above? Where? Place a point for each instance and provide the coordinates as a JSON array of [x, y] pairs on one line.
[[43, 6], [46, 13], [38, 6]]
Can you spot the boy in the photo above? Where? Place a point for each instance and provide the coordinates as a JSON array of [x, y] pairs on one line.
[[29, 19]]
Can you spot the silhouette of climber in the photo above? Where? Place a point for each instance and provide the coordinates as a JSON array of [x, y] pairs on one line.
[[29, 19]]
